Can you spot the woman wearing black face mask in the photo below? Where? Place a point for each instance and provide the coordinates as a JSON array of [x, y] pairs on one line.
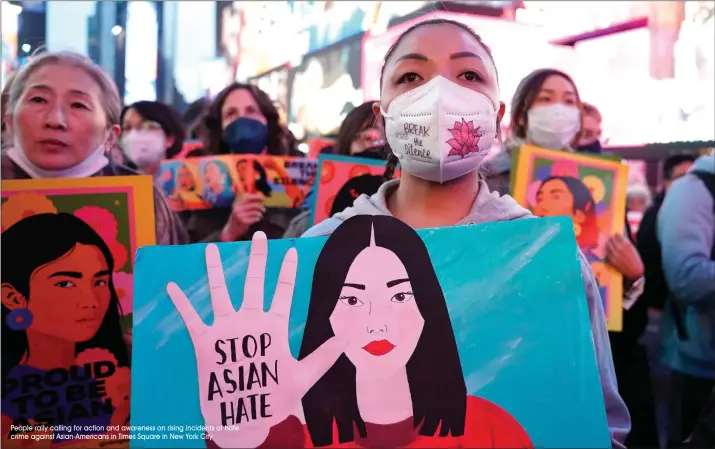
[[242, 120], [590, 139], [358, 136]]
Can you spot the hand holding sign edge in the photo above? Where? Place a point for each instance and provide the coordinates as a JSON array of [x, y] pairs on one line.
[[295, 378]]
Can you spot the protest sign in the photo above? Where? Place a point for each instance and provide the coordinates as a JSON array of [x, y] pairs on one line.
[[592, 191], [215, 181], [67, 303], [334, 173], [369, 331]]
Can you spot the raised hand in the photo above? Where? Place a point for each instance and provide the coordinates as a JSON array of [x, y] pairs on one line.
[[248, 378]]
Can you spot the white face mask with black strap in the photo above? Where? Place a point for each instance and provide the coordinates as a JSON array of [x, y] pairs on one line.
[[440, 131], [554, 126]]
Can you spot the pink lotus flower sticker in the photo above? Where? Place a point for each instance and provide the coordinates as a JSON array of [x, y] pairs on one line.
[[466, 139]]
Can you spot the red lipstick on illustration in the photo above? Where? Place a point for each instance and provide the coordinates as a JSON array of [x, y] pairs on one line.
[[379, 347]]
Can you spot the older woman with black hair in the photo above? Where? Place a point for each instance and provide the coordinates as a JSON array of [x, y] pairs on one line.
[[359, 136]]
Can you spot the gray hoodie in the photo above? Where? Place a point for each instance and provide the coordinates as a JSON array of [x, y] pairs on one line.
[[490, 207]]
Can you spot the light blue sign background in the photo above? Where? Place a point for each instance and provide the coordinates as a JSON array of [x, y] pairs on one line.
[[516, 300]]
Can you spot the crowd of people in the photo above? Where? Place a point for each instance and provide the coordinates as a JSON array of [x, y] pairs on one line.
[[63, 118]]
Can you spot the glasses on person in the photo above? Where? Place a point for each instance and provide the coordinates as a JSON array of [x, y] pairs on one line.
[[370, 137]]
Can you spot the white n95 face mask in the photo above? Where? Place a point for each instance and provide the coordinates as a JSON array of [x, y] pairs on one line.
[[440, 131], [144, 147], [553, 126]]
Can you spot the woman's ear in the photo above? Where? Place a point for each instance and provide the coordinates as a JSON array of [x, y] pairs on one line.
[[169, 142], [112, 137], [11, 298], [378, 115]]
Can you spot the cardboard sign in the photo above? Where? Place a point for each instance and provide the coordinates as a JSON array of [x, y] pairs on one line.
[[215, 181], [356, 337], [591, 190], [334, 172], [68, 250]]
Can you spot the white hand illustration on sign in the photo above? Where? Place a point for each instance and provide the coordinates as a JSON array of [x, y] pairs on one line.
[[248, 379]]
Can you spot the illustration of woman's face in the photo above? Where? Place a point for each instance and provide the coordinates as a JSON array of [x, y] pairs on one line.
[[377, 314], [214, 178], [554, 199], [242, 169], [70, 296], [185, 180]]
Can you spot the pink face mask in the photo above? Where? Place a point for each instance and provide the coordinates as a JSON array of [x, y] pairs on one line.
[[144, 147]]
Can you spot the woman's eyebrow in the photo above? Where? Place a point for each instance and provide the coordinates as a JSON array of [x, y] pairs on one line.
[[391, 284], [416, 56], [465, 54], [357, 286], [102, 273], [69, 274]]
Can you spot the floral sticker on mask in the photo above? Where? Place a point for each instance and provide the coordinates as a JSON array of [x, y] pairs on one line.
[[466, 139]]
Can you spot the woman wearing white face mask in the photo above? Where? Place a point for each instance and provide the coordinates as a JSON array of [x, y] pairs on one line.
[[151, 132], [63, 114], [440, 108], [546, 112]]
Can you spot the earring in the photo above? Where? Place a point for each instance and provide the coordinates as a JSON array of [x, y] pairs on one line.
[[19, 319]]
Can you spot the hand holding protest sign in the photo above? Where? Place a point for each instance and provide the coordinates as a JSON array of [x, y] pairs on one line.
[[248, 379]]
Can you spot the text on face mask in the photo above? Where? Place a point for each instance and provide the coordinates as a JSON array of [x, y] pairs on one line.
[[415, 149], [417, 130]]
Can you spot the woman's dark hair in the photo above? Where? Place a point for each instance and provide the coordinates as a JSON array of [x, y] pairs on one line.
[[280, 140], [51, 236], [525, 95], [392, 160], [434, 372], [166, 117], [357, 121], [582, 201], [193, 118]]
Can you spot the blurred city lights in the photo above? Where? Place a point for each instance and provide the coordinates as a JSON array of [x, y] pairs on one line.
[[116, 30]]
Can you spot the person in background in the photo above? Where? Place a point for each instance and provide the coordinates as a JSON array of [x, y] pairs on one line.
[[638, 199], [428, 196], [546, 112], [242, 120], [359, 136], [590, 139], [193, 119], [151, 132], [63, 111], [686, 232], [656, 290], [6, 136]]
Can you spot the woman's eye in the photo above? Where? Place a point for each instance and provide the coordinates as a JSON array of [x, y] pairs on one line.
[[402, 297], [471, 75], [64, 284], [79, 106], [409, 78], [100, 283], [351, 301], [37, 100]]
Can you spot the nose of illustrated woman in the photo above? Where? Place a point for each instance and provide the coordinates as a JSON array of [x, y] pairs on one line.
[[377, 329]]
